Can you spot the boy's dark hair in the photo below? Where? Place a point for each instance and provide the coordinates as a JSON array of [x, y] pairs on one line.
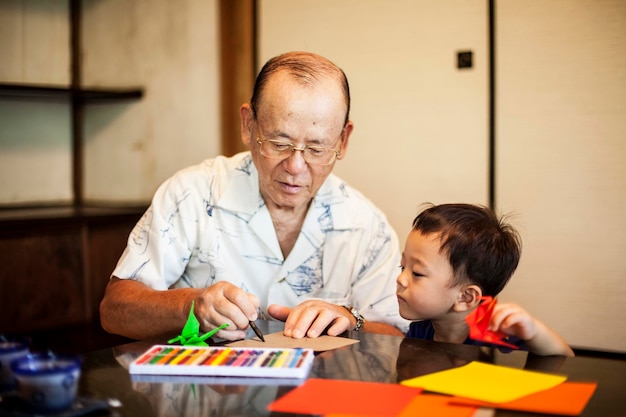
[[480, 247]]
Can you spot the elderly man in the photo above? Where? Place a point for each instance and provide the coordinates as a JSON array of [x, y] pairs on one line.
[[268, 233]]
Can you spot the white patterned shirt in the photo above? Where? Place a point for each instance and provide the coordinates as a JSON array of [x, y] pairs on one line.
[[208, 223]]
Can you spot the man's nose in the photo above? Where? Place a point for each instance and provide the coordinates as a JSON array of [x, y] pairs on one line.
[[296, 160]]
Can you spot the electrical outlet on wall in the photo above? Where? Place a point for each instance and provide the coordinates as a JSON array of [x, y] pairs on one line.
[[464, 59]]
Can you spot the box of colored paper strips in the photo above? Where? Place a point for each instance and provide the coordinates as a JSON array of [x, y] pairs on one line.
[[223, 361]]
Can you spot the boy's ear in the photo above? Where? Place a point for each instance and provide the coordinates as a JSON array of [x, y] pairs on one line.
[[468, 298]]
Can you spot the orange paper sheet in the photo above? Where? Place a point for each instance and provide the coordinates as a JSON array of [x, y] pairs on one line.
[[567, 399], [429, 405], [436, 405], [356, 398], [486, 382]]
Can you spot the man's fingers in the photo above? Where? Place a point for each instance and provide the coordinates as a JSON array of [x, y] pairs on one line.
[[224, 303], [340, 325], [231, 334], [324, 319], [311, 318], [279, 312], [247, 303]]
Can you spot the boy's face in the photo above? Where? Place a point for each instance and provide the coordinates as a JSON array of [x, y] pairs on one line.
[[424, 285]]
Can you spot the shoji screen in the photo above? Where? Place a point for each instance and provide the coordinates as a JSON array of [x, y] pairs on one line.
[[561, 161]]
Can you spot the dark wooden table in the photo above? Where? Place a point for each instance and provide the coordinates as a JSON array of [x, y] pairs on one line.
[[376, 358]]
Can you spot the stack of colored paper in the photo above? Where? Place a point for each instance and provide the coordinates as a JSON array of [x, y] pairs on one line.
[[466, 388]]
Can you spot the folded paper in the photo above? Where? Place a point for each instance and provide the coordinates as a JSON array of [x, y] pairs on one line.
[[190, 335], [478, 322]]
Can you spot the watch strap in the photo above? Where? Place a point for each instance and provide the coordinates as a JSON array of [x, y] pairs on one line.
[[359, 318]]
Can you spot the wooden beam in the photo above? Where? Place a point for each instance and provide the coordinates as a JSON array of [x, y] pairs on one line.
[[237, 20], [76, 105]]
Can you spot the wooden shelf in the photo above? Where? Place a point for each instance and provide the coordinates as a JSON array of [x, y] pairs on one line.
[[57, 256], [55, 93], [56, 262], [24, 218]]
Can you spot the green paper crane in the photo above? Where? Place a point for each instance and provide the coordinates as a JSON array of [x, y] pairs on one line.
[[190, 336]]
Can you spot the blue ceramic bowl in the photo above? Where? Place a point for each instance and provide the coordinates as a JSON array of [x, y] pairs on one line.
[[47, 382], [9, 351]]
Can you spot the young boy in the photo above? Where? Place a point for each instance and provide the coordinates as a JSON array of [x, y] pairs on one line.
[[454, 255]]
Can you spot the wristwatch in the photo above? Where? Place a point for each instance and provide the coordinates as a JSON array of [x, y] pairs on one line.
[[359, 318]]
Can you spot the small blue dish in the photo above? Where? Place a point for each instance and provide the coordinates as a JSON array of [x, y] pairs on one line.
[[9, 351], [47, 382]]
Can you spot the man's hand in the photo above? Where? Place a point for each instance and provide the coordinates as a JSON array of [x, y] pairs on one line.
[[312, 317], [225, 303]]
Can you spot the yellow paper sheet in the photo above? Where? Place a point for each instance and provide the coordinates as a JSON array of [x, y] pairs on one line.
[[278, 340], [486, 382]]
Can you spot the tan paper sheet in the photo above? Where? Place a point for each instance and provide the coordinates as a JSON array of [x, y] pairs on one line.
[[278, 340]]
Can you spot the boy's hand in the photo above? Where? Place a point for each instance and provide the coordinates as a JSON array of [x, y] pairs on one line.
[[513, 320]]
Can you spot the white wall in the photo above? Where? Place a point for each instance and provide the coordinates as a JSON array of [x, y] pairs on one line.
[[421, 131], [420, 123], [34, 40], [35, 145], [171, 49], [168, 48]]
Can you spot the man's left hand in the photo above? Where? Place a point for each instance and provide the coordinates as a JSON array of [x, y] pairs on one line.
[[311, 318]]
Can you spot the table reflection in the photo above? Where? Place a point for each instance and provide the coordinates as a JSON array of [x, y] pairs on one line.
[[418, 357], [376, 358]]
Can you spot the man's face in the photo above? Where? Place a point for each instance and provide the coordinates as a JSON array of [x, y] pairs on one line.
[[302, 115]]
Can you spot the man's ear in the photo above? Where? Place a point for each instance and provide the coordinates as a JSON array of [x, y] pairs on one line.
[[246, 116], [345, 138], [468, 298]]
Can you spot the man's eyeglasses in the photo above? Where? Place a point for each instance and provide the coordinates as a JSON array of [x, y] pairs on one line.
[[315, 155]]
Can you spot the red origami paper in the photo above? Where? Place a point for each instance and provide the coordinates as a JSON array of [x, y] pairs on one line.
[[478, 322], [346, 398]]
